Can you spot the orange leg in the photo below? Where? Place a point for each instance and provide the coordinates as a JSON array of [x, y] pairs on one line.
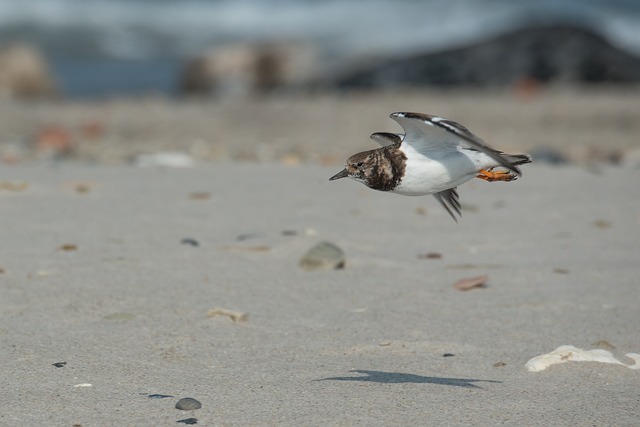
[[492, 175]]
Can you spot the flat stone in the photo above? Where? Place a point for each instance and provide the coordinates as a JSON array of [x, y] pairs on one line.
[[188, 404], [323, 256]]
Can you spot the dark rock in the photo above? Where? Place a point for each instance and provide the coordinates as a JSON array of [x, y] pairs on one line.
[[448, 355], [556, 53], [158, 396], [60, 364]]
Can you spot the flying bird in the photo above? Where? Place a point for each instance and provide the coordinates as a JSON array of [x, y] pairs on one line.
[[434, 156]]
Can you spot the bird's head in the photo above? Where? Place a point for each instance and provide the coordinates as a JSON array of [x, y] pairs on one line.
[[357, 167]]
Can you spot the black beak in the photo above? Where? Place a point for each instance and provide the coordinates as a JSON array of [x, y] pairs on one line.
[[342, 174]]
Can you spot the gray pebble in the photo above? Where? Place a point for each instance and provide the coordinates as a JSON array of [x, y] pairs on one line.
[[188, 404], [323, 256], [190, 241], [188, 421]]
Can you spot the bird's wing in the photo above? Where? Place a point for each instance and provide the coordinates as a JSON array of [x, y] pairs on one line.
[[386, 138], [430, 134], [449, 200]]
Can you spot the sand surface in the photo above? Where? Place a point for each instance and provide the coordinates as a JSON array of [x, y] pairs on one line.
[[95, 274], [584, 125]]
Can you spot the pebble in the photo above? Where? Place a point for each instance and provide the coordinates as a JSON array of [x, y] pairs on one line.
[[189, 241], [188, 421], [188, 404], [471, 283], [323, 256], [448, 355], [430, 255], [59, 364]]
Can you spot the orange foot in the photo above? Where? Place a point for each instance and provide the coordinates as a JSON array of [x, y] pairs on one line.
[[492, 175]]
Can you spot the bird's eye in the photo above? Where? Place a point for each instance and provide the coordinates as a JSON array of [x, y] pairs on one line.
[[360, 164]]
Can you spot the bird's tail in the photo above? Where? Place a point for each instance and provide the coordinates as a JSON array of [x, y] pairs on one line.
[[517, 159]]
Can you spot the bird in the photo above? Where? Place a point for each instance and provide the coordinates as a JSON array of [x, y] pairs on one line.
[[434, 156]]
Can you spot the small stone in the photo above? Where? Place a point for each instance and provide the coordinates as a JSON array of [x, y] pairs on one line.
[[430, 255], [188, 404], [82, 188], [600, 223], [471, 283], [561, 271], [158, 396], [68, 247], [59, 364], [248, 236], [448, 355], [323, 256], [499, 364], [190, 241], [200, 195], [188, 421]]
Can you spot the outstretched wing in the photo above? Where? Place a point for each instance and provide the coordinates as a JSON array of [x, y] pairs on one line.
[[429, 134], [387, 138], [449, 200]]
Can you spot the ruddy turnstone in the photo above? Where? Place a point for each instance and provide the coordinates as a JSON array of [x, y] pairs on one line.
[[434, 156]]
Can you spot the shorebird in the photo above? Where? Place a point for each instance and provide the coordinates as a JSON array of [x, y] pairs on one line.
[[434, 156]]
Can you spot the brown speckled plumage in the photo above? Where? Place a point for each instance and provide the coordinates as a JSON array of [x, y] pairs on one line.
[[387, 168]]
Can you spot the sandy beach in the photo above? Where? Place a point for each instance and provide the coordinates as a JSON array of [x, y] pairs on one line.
[[110, 270]]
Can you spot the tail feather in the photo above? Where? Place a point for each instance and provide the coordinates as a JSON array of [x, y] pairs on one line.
[[517, 159]]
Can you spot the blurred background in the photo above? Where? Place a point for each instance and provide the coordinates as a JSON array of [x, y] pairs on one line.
[[93, 48], [110, 81]]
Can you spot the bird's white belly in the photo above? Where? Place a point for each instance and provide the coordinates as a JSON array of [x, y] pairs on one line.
[[427, 176]]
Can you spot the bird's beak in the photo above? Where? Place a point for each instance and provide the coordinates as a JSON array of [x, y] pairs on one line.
[[342, 174]]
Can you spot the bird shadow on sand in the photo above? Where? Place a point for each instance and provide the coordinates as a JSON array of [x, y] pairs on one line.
[[400, 378]]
